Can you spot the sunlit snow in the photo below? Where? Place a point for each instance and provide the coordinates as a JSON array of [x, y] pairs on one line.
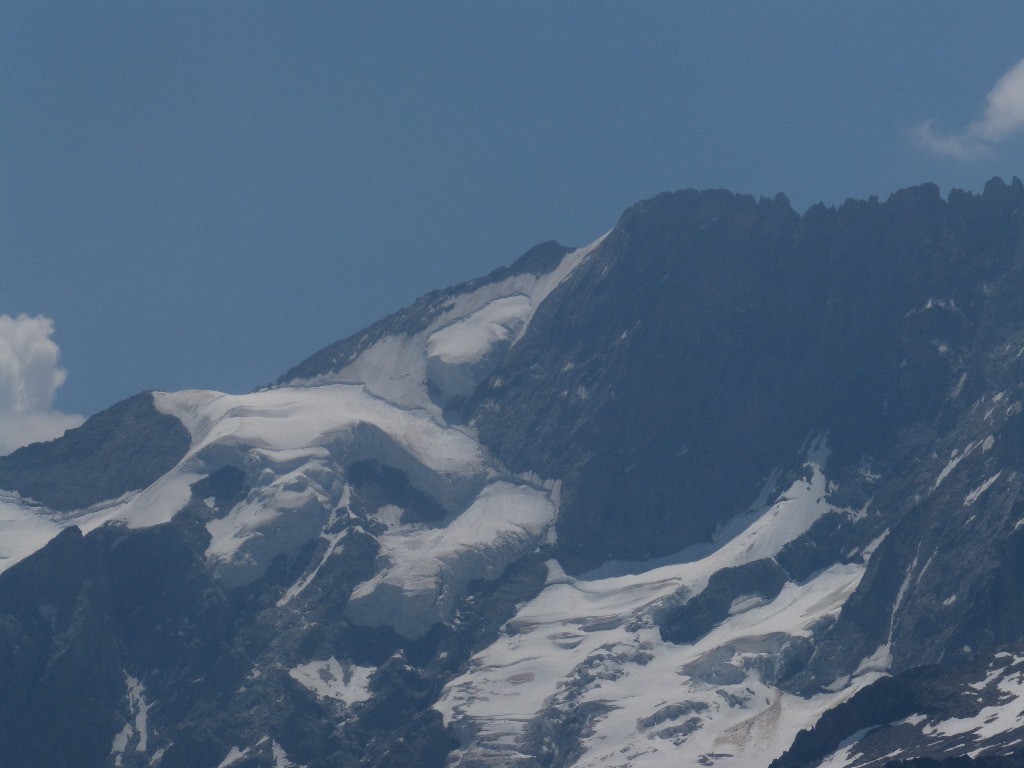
[[331, 679], [134, 736], [592, 640], [425, 568]]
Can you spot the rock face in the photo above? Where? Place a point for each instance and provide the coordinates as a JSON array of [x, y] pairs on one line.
[[124, 448], [728, 486], [716, 332]]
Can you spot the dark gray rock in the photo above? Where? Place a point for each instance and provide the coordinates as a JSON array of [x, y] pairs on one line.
[[686, 623], [874, 721], [712, 333], [124, 448]]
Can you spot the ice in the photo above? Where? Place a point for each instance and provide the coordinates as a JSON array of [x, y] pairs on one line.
[[462, 354], [294, 444], [566, 630], [460, 345], [393, 368], [427, 568], [759, 533], [24, 528], [250, 534], [140, 509], [330, 679], [330, 416], [592, 640], [469, 338]]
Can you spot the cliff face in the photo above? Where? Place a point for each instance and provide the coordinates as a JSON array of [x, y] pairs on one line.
[[668, 377]]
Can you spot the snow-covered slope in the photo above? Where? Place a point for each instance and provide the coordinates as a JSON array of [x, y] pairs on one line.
[[295, 442], [462, 343], [25, 527], [586, 654]]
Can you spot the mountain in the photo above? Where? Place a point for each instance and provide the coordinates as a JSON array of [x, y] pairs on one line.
[[729, 486]]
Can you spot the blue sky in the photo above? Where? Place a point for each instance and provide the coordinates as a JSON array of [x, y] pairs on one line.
[[201, 195]]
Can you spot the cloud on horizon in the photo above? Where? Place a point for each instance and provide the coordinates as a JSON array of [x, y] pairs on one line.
[[30, 375], [1003, 117]]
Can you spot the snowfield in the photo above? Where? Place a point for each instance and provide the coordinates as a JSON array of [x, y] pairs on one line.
[[590, 644]]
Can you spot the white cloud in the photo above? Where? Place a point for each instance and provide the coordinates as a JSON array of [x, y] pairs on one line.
[[1003, 117], [961, 146], [30, 375]]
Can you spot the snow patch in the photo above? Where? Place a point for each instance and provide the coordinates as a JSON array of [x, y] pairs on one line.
[[331, 679], [955, 458], [844, 752], [280, 758], [959, 386], [234, 755], [974, 495], [993, 720], [134, 736]]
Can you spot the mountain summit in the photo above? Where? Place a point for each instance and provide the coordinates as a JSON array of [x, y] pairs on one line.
[[729, 486]]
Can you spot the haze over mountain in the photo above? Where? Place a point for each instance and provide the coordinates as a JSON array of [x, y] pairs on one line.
[[728, 486]]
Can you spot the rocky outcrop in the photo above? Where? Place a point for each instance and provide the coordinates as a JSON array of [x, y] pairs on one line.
[[124, 448]]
